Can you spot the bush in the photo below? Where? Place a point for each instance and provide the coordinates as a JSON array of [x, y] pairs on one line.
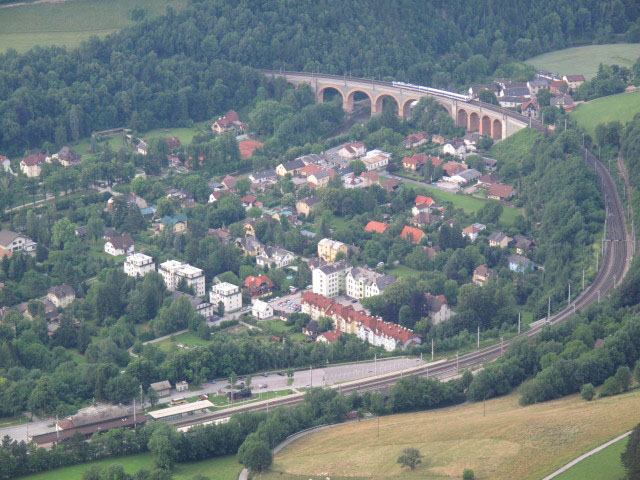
[[255, 453], [623, 377], [610, 387], [588, 392], [468, 474]]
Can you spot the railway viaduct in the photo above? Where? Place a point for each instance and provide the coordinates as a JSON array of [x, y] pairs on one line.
[[474, 116]]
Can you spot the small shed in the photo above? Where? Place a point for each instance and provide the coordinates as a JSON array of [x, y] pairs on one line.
[[182, 386], [162, 388]]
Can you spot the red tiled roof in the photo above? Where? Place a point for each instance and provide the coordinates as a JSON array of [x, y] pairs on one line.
[[453, 168], [254, 282], [248, 199], [247, 147], [332, 336], [413, 234], [500, 191], [309, 170], [435, 161], [32, 160], [417, 159], [421, 199], [374, 226], [316, 300]]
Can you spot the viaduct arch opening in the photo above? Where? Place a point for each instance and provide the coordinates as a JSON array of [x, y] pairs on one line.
[[462, 118], [384, 102], [496, 133], [330, 94]]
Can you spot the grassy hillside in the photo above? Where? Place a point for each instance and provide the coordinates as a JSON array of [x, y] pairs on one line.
[[222, 468], [604, 465], [517, 145], [586, 59], [508, 442], [622, 107], [69, 23]]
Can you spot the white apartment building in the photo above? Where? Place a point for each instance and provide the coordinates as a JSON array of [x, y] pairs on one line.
[[138, 265], [173, 271], [364, 282], [330, 280], [227, 293], [375, 159]]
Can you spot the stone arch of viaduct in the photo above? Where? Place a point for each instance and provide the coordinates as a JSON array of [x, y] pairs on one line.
[[475, 117]]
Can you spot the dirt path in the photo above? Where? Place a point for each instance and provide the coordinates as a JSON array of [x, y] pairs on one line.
[[21, 4]]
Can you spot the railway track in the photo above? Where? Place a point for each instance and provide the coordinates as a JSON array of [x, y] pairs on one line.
[[616, 259]]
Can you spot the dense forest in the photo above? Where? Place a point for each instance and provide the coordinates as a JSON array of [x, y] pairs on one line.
[[192, 65]]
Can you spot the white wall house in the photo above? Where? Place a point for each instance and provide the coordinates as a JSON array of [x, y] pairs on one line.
[[228, 294], [138, 265], [119, 245], [363, 282], [376, 159], [275, 256], [173, 271], [330, 280], [261, 310]]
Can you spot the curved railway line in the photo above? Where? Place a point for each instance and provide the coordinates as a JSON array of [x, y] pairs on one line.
[[617, 252]]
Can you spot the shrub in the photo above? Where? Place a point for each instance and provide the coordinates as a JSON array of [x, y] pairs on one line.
[[610, 387], [468, 474], [588, 392]]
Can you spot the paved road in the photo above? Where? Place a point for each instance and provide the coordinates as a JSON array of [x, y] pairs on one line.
[[586, 455]]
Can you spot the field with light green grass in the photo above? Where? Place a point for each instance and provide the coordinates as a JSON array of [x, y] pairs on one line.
[[188, 339], [220, 468], [68, 23], [585, 60], [604, 465], [622, 107]]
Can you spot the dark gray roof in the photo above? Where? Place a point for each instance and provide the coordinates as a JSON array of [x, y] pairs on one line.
[[61, 291], [7, 236], [293, 165], [264, 174]]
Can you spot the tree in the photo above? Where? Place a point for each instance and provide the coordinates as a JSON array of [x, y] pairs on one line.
[[357, 166], [487, 96], [242, 186], [636, 372], [544, 97], [468, 474], [163, 444], [610, 387], [255, 453], [631, 455], [62, 233], [410, 458], [588, 392], [623, 377], [220, 308]]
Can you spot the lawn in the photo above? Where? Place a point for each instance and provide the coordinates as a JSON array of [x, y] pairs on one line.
[[221, 468], [71, 22], [507, 442], [465, 202], [402, 271], [585, 60], [604, 465], [621, 107], [13, 421], [187, 339]]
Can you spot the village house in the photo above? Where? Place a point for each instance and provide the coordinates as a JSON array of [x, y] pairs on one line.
[[370, 178], [223, 236], [202, 307], [306, 205], [217, 195], [119, 245], [415, 162], [413, 234], [472, 231], [414, 140], [261, 310], [524, 244], [453, 168], [264, 177], [564, 101], [131, 199], [439, 139], [138, 265], [331, 336], [6, 163], [314, 305], [530, 108], [455, 148], [258, 286], [511, 102], [275, 256], [489, 179], [310, 169], [520, 264], [556, 87], [499, 239], [437, 308], [311, 330], [229, 182], [423, 219], [377, 227], [173, 272], [328, 249], [31, 165], [375, 159], [141, 147], [11, 242], [466, 176], [177, 223], [250, 245], [351, 181], [248, 201], [362, 282], [390, 184], [321, 179], [536, 85], [229, 122], [65, 157], [162, 388], [497, 191], [330, 279], [227, 294], [61, 295], [352, 150], [291, 167], [574, 81], [481, 275]]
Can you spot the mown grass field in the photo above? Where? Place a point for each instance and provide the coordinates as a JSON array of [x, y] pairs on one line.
[[622, 107], [510, 442], [70, 22], [465, 202], [221, 468], [604, 465], [585, 60]]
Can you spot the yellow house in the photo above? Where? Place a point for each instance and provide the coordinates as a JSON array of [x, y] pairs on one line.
[[328, 249]]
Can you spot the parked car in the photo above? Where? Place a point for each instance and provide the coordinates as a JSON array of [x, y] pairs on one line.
[[212, 382], [263, 385]]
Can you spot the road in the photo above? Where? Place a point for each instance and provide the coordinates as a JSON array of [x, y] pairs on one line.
[[617, 253]]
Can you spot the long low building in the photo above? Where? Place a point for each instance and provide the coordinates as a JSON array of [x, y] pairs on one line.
[[179, 411], [47, 440]]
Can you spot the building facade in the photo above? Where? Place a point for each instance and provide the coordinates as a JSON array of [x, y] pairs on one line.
[[330, 280], [228, 294], [173, 272], [138, 265]]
